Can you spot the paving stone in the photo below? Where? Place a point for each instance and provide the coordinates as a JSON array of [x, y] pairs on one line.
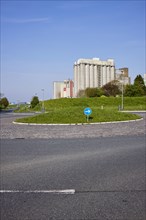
[[11, 131]]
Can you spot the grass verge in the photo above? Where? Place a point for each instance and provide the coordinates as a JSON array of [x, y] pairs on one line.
[[75, 115]]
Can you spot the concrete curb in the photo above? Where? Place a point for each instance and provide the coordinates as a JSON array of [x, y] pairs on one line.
[[98, 123], [142, 111]]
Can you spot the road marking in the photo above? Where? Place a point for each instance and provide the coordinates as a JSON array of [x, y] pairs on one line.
[[66, 191]]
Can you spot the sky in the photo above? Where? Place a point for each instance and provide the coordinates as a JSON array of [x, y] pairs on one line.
[[41, 40]]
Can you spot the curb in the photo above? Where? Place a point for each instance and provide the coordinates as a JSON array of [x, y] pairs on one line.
[[142, 111], [98, 123]]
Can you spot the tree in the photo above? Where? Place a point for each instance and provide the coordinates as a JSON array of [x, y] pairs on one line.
[[139, 85], [130, 91], [93, 92], [4, 102], [99, 92], [133, 91], [139, 81], [111, 89], [34, 101]]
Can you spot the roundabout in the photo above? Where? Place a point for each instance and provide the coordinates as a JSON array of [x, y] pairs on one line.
[[9, 130]]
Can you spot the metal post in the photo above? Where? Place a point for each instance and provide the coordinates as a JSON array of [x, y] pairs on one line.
[[122, 106], [87, 118], [43, 106], [122, 97]]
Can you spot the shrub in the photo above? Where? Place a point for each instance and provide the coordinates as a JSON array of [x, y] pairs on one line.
[[34, 101], [4, 103]]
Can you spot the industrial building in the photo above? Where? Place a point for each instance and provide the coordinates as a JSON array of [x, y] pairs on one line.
[[144, 79], [92, 73], [63, 89], [122, 76]]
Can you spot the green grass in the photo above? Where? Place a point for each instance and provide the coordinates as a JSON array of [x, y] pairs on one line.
[[76, 115], [71, 110], [130, 103]]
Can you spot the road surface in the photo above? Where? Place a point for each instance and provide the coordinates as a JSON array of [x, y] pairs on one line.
[[103, 178], [12, 131]]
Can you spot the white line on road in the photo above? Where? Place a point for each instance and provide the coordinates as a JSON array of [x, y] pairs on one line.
[[66, 191]]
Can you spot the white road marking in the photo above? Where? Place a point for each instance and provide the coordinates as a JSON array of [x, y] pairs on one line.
[[66, 191]]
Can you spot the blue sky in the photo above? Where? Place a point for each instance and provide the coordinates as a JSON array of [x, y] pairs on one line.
[[41, 40]]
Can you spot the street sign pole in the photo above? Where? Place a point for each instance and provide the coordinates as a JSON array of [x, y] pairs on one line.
[[87, 112], [87, 118]]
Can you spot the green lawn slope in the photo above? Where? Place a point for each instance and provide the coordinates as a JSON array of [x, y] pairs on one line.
[[104, 109]]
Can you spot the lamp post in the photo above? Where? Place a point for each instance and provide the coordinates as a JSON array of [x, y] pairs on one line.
[[43, 106], [122, 81], [122, 106]]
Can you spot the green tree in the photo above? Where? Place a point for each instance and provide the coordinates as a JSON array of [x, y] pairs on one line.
[[4, 102], [139, 81], [133, 91], [111, 89], [130, 91], [99, 92], [93, 92], [34, 101], [139, 85]]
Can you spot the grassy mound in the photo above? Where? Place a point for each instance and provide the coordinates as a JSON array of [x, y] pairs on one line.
[[130, 103], [104, 109]]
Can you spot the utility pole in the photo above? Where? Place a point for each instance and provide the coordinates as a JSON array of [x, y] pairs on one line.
[[43, 105], [122, 81], [122, 96]]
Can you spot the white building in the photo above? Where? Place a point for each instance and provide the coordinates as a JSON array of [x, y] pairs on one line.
[[58, 89], [92, 73], [63, 89], [145, 79]]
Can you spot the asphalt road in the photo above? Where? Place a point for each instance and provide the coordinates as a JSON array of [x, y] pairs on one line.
[[107, 176]]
